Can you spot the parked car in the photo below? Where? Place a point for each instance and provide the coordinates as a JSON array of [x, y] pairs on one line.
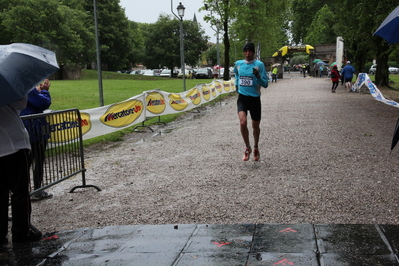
[[157, 72], [203, 73], [180, 75], [392, 70], [165, 73], [232, 74], [149, 72], [222, 73]]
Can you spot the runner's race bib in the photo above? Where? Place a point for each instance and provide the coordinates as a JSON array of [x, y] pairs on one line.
[[246, 81]]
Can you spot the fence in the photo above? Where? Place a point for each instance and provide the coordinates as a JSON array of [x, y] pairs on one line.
[[57, 148]]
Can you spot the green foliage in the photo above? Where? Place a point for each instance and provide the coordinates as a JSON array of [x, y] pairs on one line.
[[299, 58], [162, 42], [263, 22], [358, 30], [114, 34], [303, 14], [137, 52], [321, 30], [52, 25]]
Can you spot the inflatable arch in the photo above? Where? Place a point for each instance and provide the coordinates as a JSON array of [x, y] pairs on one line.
[[293, 49]]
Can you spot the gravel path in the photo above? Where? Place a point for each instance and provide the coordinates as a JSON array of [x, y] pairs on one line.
[[325, 158]]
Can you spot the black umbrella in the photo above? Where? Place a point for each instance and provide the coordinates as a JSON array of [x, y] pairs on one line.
[[22, 67], [395, 138], [389, 28]]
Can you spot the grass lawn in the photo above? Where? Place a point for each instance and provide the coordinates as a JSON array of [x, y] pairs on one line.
[[393, 93], [117, 87], [84, 94]]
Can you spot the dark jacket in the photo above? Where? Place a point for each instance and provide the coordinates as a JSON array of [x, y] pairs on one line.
[[38, 128]]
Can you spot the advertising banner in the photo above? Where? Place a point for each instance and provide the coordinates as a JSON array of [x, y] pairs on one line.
[[107, 119], [339, 52], [364, 79]]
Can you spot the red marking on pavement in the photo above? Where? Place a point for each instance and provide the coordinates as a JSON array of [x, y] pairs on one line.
[[288, 230], [50, 237], [284, 262], [221, 244]]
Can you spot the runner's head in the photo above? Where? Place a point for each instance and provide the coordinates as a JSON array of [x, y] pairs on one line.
[[249, 51]]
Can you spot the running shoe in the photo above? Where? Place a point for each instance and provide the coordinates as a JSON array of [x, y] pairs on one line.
[[256, 155], [247, 153]]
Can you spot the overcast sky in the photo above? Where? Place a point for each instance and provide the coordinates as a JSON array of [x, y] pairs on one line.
[[148, 11]]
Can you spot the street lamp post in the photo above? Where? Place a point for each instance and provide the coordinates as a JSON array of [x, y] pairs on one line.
[[235, 48], [100, 82], [180, 11]]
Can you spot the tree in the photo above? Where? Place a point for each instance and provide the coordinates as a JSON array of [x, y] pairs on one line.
[[114, 33], [358, 30], [51, 25], [321, 29], [162, 42], [137, 52], [265, 23], [303, 14], [225, 11]]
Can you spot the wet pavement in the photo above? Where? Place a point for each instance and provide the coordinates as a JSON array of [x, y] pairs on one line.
[[202, 244]]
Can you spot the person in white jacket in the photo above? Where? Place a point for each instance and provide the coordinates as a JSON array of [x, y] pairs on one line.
[[14, 176]]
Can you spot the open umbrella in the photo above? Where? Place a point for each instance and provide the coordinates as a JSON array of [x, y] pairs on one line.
[[334, 64], [22, 67], [321, 63], [276, 65], [395, 138], [317, 60], [389, 28]]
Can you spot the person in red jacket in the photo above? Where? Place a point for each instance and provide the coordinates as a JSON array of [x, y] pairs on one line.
[[334, 78]]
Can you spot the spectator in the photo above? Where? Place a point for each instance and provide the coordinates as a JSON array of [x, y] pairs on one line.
[[348, 72], [38, 100], [334, 78], [14, 176], [316, 70], [274, 74]]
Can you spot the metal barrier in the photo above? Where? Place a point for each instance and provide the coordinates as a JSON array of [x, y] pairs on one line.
[[57, 148]]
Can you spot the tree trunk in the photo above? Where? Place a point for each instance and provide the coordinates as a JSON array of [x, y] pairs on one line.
[[226, 42], [382, 72]]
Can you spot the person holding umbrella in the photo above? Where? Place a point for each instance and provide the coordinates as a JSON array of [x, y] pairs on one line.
[[16, 60], [14, 176], [250, 77]]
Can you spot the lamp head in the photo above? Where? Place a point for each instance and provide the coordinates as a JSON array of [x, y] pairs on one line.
[[180, 10], [218, 24]]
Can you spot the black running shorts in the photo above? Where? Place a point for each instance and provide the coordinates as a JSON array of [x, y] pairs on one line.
[[251, 104]]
